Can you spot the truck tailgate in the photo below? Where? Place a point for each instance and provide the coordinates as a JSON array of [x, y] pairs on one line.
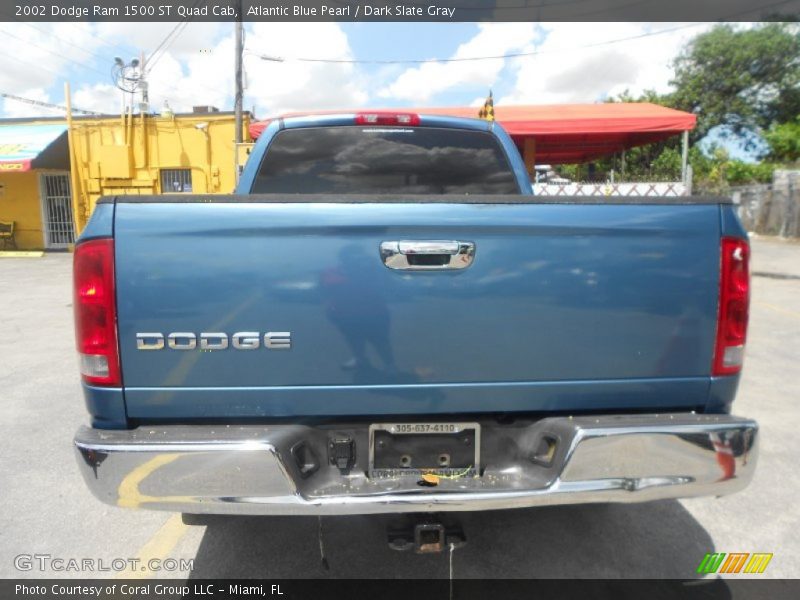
[[565, 307]]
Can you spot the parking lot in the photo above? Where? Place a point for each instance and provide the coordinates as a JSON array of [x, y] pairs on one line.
[[46, 509]]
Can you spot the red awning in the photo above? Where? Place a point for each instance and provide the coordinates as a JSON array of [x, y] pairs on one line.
[[570, 133]]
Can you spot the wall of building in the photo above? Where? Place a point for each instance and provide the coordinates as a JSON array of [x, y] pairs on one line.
[[126, 155], [20, 202]]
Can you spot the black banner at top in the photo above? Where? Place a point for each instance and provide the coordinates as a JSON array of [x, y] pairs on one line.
[[407, 11]]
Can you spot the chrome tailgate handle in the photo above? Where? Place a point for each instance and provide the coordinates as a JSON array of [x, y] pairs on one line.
[[427, 255]]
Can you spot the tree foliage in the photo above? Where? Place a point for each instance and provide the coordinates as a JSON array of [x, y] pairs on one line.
[[715, 172], [783, 140], [741, 80], [742, 83]]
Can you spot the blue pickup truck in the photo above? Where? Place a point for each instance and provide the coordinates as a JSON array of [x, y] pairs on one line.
[[383, 318]]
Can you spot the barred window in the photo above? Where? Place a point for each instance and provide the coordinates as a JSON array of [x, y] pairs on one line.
[[176, 181]]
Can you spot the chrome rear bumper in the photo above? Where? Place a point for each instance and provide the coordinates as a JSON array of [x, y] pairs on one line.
[[251, 469]]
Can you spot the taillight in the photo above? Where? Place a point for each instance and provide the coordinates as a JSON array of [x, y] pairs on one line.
[[734, 306], [95, 312], [387, 118]]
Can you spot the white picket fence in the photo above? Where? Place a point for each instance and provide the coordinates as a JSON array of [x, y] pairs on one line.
[[636, 189]]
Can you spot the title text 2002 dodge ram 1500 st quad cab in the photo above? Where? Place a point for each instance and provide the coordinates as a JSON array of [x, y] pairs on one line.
[[383, 318]]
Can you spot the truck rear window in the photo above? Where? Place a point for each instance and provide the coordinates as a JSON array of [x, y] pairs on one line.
[[363, 160]]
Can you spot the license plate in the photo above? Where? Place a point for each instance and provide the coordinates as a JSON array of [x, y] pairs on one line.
[[446, 449]]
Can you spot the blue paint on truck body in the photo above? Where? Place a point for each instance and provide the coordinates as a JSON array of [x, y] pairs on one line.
[[566, 308]]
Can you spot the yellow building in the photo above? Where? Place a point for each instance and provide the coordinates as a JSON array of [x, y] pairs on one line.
[[50, 179]]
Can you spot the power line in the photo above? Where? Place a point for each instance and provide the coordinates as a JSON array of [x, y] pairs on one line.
[[108, 42], [53, 52], [34, 65], [471, 58], [165, 44], [76, 62], [504, 56], [136, 80], [47, 104], [94, 33], [53, 36], [170, 38], [161, 49], [38, 66]]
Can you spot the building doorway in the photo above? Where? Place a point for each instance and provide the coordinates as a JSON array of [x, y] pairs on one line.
[[59, 227]]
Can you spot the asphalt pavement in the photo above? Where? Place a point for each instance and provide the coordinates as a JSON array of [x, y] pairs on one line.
[[45, 508]]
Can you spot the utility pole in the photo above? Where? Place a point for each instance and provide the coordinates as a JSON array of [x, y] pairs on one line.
[[144, 107], [238, 97], [78, 214]]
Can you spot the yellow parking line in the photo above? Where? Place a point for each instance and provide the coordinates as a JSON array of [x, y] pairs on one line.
[[128, 494], [167, 537], [159, 546], [785, 311], [21, 254]]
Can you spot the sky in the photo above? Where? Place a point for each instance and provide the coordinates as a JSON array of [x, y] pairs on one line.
[[566, 63]]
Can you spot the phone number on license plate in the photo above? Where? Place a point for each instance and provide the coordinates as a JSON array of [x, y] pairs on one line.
[[425, 428]]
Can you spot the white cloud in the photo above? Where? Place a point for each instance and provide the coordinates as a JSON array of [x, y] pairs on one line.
[[39, 55], [420, 84], [98, 97], [198, 69], [567, 71], [279, 87], [194, 37], [198, 79], [48, 54]]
